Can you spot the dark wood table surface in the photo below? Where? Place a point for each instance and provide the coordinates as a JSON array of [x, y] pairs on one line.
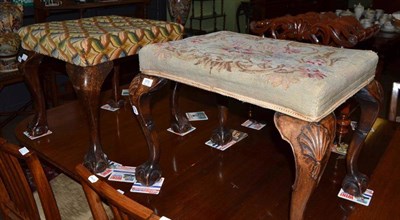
[[250, 180]]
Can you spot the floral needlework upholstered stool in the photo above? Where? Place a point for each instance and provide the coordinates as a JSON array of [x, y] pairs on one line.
[[88, 46], [303, 83]]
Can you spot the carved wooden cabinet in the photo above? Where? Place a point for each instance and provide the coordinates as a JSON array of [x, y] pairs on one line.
[[274, 8]]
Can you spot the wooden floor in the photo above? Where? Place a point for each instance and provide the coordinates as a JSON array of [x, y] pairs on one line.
[[250, 180]]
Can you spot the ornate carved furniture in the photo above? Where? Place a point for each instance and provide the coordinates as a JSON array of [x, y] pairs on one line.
[[121, 206], [326, 29], [262, 9], [303, 83], [62, 198], [11, 17], [318, 28], [88, 46]]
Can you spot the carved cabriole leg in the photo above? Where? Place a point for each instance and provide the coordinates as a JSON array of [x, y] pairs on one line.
[[310, 142], [116, 101], [179, 123], [30, 69], [222, 134], [87, 82], [370, 99], [140, 90]]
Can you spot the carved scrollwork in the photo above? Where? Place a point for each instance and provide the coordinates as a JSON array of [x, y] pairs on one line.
[[314, 141], [318, 28]]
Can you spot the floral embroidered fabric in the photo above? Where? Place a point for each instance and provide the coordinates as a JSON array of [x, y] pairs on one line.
[[306, 81], [91, 41]]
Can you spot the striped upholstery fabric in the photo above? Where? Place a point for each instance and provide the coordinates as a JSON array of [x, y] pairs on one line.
[[91, 41]]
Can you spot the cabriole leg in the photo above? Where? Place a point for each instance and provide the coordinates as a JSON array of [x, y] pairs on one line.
[[370, 99], [30, 69], [179, 123], [311, 143], [87, 82], [140, 90]]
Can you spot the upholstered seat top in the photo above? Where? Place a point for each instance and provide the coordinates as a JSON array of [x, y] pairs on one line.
[[306, 81], [91, 41]]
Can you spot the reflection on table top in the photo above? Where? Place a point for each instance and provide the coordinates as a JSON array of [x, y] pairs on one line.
[[250, 180]]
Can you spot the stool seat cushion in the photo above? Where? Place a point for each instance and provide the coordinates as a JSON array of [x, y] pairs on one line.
[[91, 41], [306, 81]]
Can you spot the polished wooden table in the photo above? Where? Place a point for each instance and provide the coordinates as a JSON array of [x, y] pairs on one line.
[[42, 11], [250, 180]]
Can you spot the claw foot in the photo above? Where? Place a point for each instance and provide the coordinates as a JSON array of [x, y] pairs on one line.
[[116, 104], [181, 125], [355, 184], [148, 173], [96, 164], [36, 130], [221, 136]]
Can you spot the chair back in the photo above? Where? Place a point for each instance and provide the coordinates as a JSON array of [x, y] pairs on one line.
[[16, 198], [121, 206], [11, 17]]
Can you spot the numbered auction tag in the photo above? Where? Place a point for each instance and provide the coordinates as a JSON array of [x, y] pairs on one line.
[[23, 151], [93, 178], [147, 82], [135, 110], [23, 57]]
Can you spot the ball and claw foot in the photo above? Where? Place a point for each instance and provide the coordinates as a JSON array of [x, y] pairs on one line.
[[34, 129], [148, 173], [181, 125], [96, 165], [355, 184], [221, 136], [118, 104]]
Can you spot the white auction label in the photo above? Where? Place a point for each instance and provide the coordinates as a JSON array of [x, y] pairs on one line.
[[23, 151], [135, 110], [93, 178], [147, 82]]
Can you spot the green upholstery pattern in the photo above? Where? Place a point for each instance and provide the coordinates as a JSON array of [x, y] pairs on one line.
[[91, 41]]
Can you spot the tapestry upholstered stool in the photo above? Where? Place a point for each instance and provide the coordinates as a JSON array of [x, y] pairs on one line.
[[303, 83], [88, 46]]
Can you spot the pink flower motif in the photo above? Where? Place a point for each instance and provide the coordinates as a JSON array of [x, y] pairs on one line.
[[312, 73], [290, 50]]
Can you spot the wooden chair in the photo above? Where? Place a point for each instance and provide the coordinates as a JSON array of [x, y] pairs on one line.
[[11, 18], [121, 206], [394, 102], [62, 198]]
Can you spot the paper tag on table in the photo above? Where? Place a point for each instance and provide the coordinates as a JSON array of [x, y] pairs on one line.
[[154, 189], [125, 92], [340, 149], [111, 166], [36, 137], [119, 176], [365, 199], [181, 134], [236, 137], [253, 124], [109, 108], [196, 116]]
